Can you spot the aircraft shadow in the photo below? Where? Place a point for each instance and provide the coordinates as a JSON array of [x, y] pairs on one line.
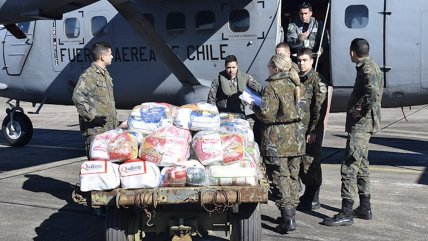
[[418, 157], [47, 146], [72, 221]]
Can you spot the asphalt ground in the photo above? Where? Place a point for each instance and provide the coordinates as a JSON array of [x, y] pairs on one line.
[[36, 182]]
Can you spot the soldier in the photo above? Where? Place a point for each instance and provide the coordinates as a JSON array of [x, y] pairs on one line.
[[229, 85], [306, 31], [281, 119], [284, 48], [93, 96], [362, 121], [314, 109]]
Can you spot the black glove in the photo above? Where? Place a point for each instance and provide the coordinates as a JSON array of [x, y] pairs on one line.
[[99, 120]]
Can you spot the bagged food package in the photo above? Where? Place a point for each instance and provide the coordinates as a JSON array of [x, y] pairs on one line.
[[173, 176], [136, 173], [139, 136], [198, 117], [232, 146], [123, 147], [242, 173], [99, 146], [150, 116], [253, 152], [195, 173], [164, 151], [99, 175], [207, 147], [173, 131], [227, 116], [239, 128]]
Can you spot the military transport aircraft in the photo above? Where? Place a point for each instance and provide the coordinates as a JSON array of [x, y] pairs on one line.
[[170, 50]]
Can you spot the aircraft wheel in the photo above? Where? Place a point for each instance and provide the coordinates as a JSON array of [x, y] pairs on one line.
[[18, 132], [246, 225]]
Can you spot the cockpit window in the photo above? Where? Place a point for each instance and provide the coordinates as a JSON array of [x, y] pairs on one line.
[[175, 22], [356, 16], [72, 27], [98, 25], [25, 27], [239, 20], [205, 21]]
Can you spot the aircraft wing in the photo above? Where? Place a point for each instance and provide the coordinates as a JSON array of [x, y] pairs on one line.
[[154, 40]]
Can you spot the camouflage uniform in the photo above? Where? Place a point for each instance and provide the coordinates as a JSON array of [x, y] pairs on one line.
[[225, 92], [313, 120], [313, 40], [367, 95], [283, 137], [93, 96]]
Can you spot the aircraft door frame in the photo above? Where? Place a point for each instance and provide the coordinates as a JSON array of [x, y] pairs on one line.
[[349, 22], [16, 51]]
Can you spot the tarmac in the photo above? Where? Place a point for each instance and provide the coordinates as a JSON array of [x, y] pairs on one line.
[[36, 182]]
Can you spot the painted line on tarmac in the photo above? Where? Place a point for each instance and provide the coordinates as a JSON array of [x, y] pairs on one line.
[[3, 145], [397, 169], [43, 167]]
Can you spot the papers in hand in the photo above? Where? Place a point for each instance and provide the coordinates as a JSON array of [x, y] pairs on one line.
[[250, 97]]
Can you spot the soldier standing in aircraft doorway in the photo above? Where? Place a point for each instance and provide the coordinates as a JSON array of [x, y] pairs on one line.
[[229, 85], [93, 96]]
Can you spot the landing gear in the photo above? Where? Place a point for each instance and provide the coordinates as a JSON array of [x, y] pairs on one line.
[[16, 127]]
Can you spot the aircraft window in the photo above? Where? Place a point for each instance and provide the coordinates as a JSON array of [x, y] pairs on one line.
[[149, 17], [175, 22], [239, 20], [356, 16], [25, 27], [98, 25], [205, 21], [72, 27]]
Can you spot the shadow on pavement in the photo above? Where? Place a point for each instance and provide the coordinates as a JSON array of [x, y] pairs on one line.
[[47, 146], [71, 222]]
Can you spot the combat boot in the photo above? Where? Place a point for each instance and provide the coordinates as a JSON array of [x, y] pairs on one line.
[[287, 221], [344, 217], [364, 211]]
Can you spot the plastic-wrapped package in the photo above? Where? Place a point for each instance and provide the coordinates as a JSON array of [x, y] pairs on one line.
[[227, 116], [242, 173], [198, 117], [232, 146], [150, 116], [207, 147], [253, 152], [239, 128], [139, 136], [173, 176], [173, 131], [99, 146], [99, 175], [123, 147], [136, 173], [164, 151], [195, 173]]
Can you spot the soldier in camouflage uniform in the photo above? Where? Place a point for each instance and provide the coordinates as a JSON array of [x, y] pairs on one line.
[[93, 96], [314, 109], [229, 85], [306, 31], [362, 121], [284, 48], [283, 136]]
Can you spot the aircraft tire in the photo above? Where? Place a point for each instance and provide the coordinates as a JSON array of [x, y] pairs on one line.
[[246, 225], [23, 127], [121, 224]]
